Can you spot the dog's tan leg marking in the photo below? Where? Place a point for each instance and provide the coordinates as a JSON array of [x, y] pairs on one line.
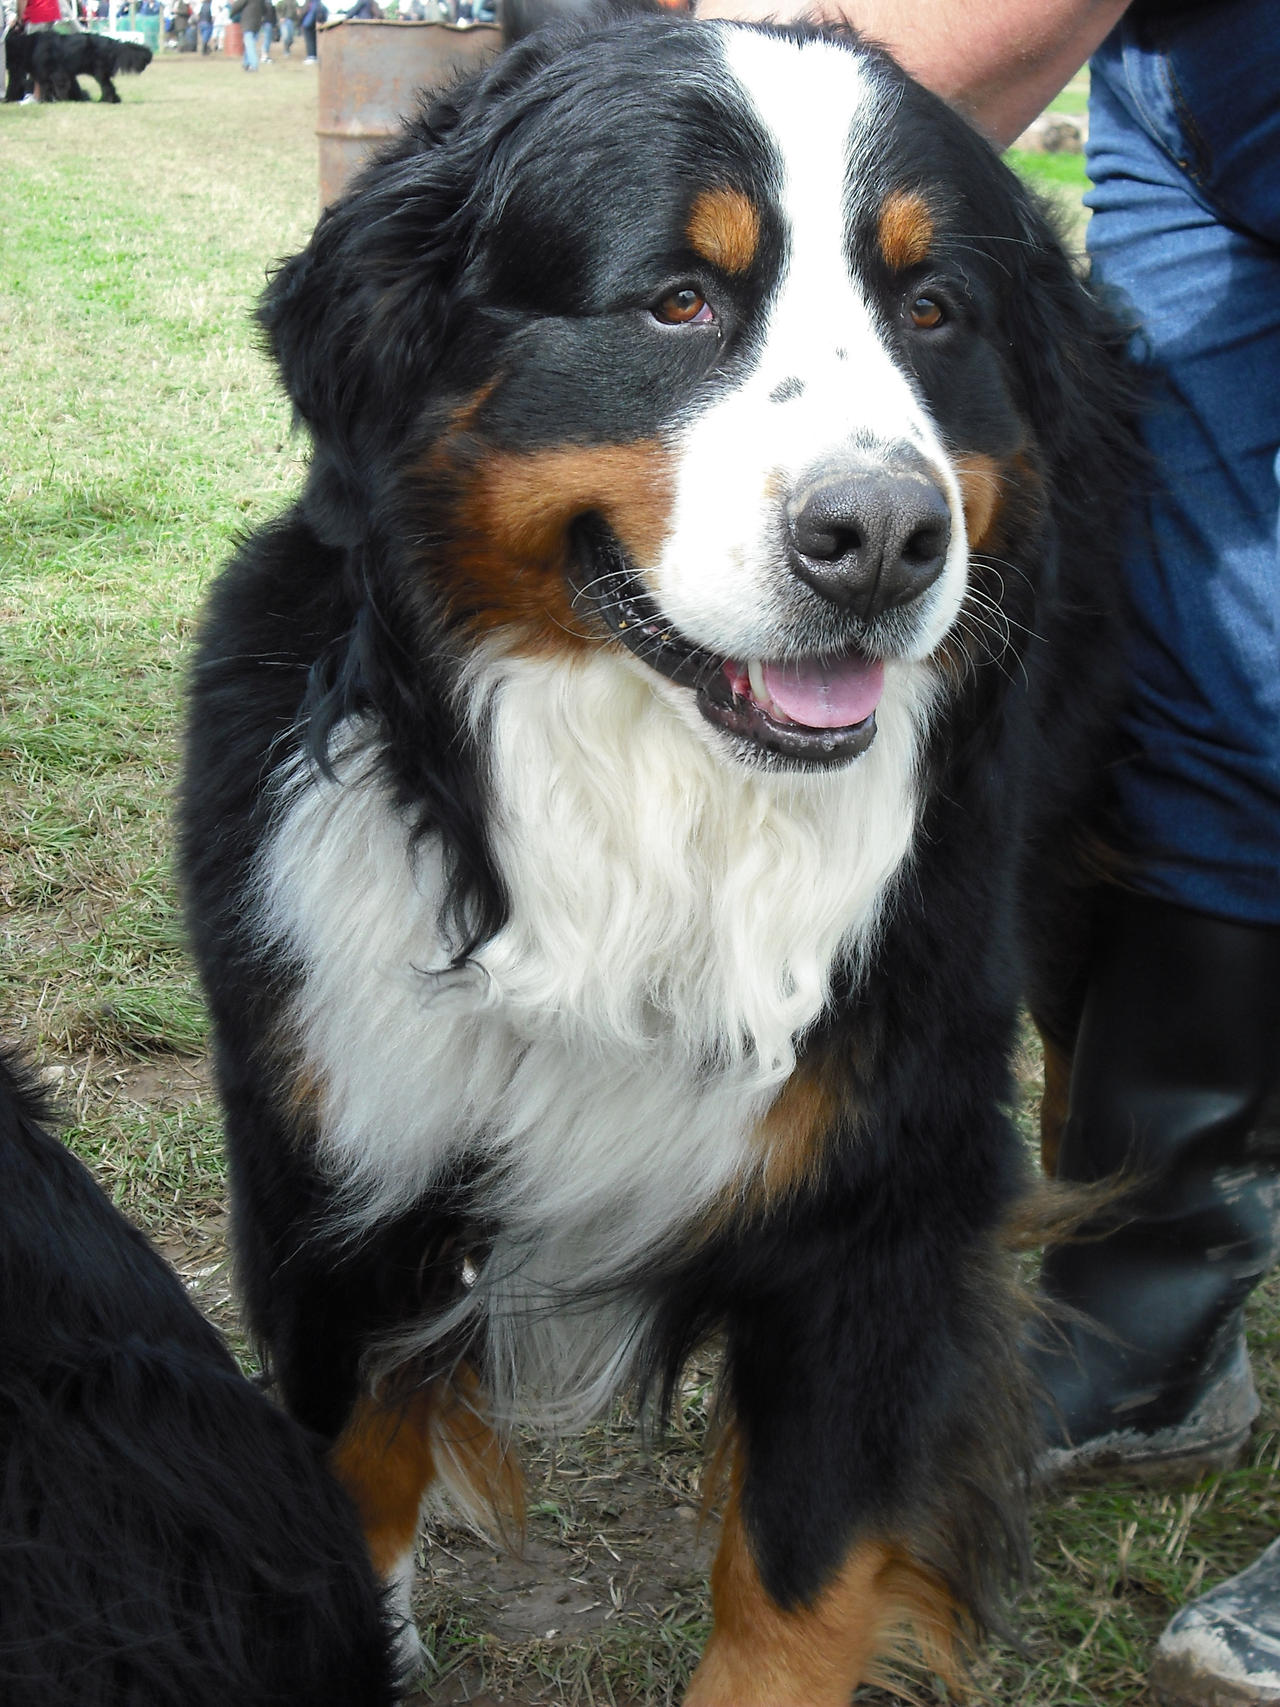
[[385, 1458], [392, 1451], [763, 1655], [792, 1135], [474, 1463]]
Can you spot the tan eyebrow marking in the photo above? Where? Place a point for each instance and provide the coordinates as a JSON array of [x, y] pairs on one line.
[[905, 230], [724, 228]]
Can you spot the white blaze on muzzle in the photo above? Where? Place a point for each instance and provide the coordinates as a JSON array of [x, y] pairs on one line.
[[825, 392]]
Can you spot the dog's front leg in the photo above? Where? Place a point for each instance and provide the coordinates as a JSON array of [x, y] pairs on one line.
[[878, 1416], [395, 1450], [812, 1652]]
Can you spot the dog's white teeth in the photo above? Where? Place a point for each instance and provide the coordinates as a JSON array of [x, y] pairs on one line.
[[755, 675]]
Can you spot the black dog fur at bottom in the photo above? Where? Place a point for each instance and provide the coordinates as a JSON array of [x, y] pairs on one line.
[[168, 1537], [49, 63]]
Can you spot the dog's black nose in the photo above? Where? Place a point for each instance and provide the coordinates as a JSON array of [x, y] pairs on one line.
[[870, 539]]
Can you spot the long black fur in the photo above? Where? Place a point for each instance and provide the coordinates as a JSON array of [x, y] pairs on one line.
[[168, 1537]]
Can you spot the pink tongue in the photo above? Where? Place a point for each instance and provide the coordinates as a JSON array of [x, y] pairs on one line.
[[826, 693]]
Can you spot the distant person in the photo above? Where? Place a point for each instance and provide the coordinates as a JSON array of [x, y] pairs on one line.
[[287, 23], [204, 25], [37, 15], [248, 14], [314, 14], [267, 32]]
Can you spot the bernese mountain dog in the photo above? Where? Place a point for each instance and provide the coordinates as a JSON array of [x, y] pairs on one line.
[[625, 792], [168, 1536]]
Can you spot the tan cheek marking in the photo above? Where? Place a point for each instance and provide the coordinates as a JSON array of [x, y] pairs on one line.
[[507, 564], [724, 228], [982, 481], [1001, 501], [760, 1655], [905, 230]]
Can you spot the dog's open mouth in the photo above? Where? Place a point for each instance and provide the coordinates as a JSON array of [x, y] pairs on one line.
[[811, 711]]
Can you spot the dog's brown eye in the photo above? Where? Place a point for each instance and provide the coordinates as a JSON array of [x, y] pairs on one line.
[[684, 308], [926, 313]]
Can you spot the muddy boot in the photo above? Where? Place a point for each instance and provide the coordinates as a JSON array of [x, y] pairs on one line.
[[1223, 1650], [1145, 1372]]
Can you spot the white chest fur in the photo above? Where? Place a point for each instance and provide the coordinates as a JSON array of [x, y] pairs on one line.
[[675, 923]]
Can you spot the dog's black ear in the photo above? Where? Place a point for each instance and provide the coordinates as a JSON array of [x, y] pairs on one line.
[[1077, 377], [356, 320], [361, 321]]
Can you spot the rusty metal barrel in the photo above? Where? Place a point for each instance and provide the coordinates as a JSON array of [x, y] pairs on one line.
[[371, 70]]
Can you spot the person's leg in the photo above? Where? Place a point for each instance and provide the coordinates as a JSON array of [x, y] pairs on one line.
[[1195, 249], [1179, 1048], [250, 50]]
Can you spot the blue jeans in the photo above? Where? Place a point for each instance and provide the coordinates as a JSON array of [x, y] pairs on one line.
[[251, 50], [1184, 151]]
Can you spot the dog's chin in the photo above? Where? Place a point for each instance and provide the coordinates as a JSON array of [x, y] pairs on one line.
[[807, 713]]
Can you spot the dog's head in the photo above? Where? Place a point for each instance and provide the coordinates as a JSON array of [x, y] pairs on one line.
[[725, 347]]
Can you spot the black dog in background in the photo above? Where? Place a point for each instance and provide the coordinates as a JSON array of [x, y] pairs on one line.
[[50, 63], [168, 1538]]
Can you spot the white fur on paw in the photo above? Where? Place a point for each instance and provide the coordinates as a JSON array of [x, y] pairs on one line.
[[408, 1651]]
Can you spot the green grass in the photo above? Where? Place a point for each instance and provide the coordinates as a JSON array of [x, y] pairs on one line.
[[140, 434], [1051, 171]]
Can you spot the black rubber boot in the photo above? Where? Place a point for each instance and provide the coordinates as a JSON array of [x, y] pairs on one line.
[[1175, 1065]]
